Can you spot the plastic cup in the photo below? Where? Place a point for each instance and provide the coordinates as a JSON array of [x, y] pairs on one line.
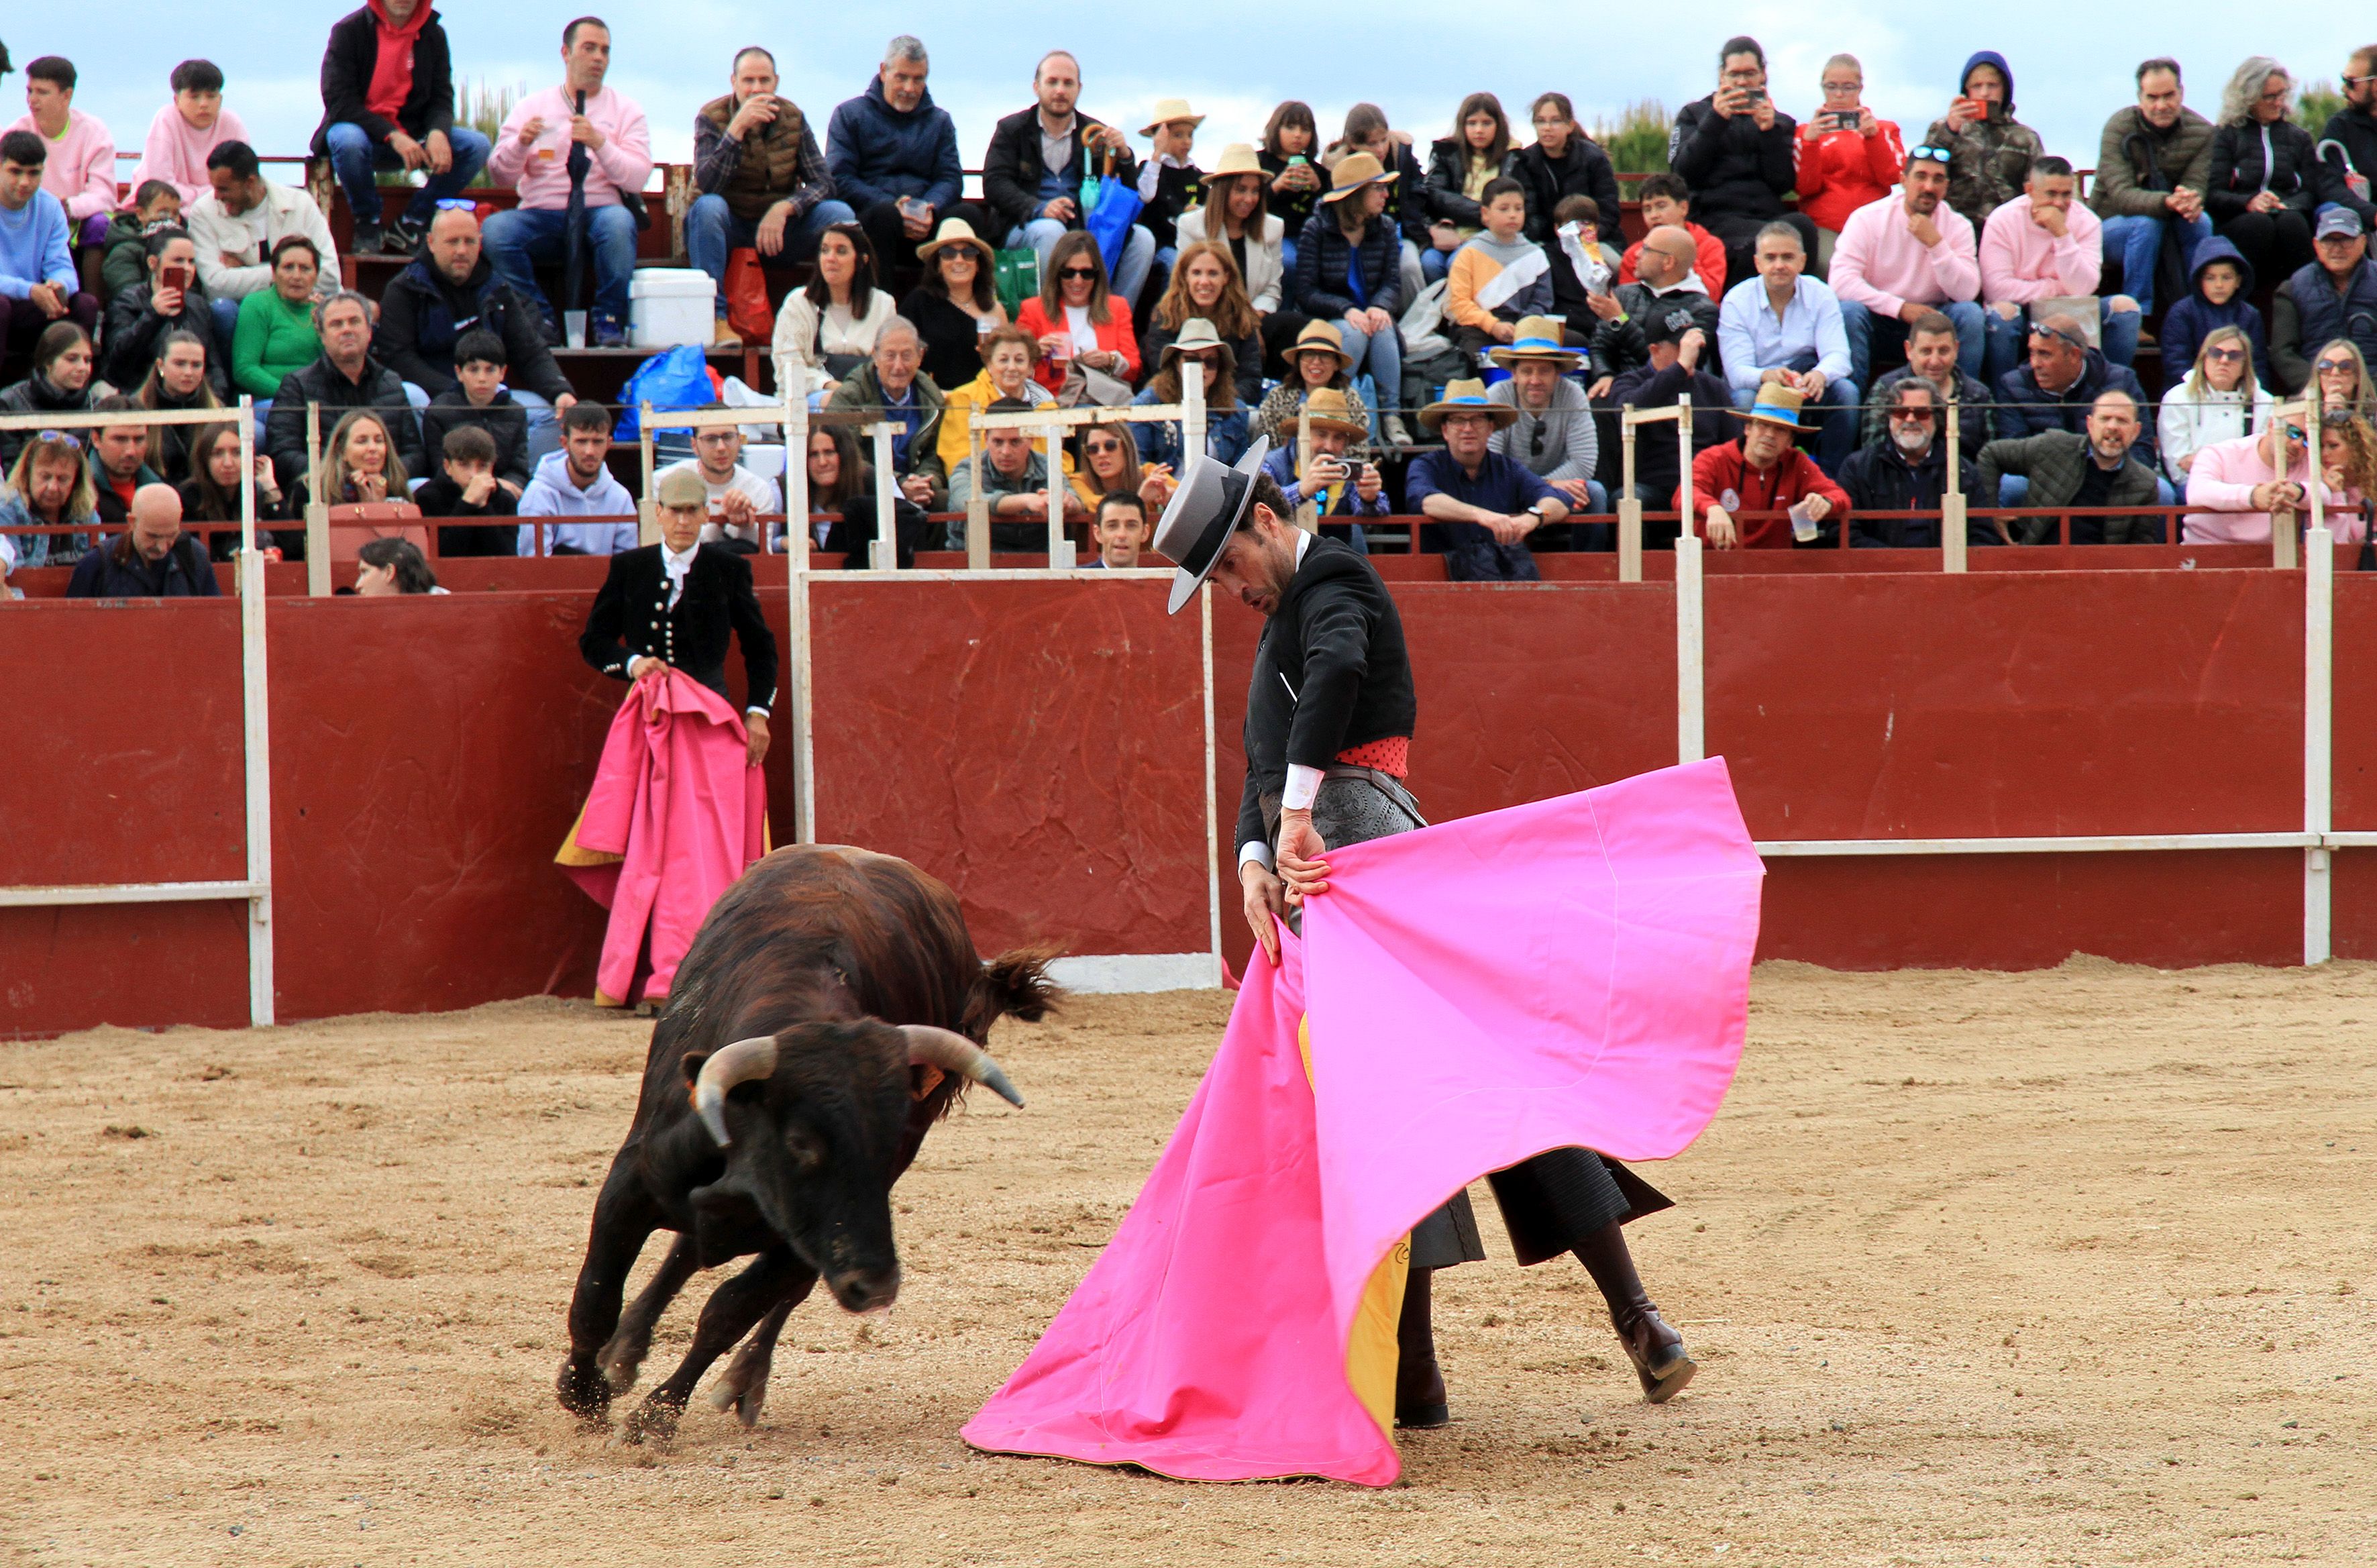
[[573, 327]]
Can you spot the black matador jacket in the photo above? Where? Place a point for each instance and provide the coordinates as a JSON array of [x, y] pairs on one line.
[[1330, 673], [632, 617]]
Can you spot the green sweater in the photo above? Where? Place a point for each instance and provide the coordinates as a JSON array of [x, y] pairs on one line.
[[275, 339]]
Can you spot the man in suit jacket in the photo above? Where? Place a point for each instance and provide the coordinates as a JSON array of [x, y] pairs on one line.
[[1331, 708], [671, 605]]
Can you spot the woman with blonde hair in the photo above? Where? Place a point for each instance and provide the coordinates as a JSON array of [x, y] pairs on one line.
[[1205, 286], [49, 485], [1009, 355], [361, 462], [2217, 400], [2258, 196], [2348, 460], [1236, 216], [2343, 380]]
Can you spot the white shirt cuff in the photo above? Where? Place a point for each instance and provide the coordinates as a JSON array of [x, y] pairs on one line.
[[1303, 786], [1258, 852]]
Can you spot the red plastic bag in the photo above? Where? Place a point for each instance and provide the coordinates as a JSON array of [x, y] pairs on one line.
[[747, 310]]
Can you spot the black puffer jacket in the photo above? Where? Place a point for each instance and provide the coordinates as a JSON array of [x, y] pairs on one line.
[[1735, 169], [423, 313], [1585, 170], [35, 394], [2239, 156], [128, 340], [1448, 173], [1322, 255]]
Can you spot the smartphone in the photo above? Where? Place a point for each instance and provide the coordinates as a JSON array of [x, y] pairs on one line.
[[1753, 96], [177, 275], [1972, 108]]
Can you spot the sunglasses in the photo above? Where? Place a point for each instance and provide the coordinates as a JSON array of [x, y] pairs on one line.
[[1927, 154], [2226, 356], [2333, 367], [1914, 415], [456, 204], [1079, 273], [58, 437], [2075, 339], [1100, 449]]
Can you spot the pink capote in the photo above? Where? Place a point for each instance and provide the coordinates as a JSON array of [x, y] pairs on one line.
[[676, 797], [1571, 972]]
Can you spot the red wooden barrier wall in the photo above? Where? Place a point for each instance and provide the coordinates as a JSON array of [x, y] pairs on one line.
[[1038, 744]]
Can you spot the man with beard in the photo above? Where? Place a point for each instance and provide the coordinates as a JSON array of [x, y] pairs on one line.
[[1331, 710], [1904, 256], [449, 289], [1907, 473]]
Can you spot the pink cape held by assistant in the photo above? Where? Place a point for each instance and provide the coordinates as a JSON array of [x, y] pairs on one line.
[[1574, 972], [677, 814]]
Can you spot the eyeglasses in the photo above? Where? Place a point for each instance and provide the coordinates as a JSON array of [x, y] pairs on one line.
[[2226, 356], [1914, 415], [2039, 330], [1100, 449], [1929, 154], [1079, 273]]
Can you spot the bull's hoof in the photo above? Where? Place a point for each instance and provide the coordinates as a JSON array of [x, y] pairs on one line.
[[583, 1392], [655, 1417], [742, 1390], [621, 1361]]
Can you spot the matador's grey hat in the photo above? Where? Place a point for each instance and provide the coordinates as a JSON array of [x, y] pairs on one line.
[[1196, 521]]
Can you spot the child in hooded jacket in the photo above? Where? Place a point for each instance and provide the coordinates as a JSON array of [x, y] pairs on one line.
[[2222, 282]]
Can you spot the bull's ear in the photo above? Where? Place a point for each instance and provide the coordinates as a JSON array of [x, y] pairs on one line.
[[691, 1066]]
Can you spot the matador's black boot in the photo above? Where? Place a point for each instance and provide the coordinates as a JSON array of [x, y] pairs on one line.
[[1419, 1382], [1661, 1362]]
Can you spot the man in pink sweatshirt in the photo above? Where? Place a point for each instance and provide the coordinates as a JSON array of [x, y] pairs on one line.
[[1905, 256], [2239, 482], [2043, 244], [581, 133], [186, 130], [82, 169]]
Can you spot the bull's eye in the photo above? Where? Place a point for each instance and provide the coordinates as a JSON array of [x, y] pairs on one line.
[[805, 1149]]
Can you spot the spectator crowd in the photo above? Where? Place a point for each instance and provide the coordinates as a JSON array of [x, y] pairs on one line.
[[1440, 328]]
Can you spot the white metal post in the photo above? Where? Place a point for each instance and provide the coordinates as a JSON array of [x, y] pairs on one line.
[[1630, 505], [1192, 414], [647, 516], [317, 510], [1213, 846], [1692, 737], [796, 593], [886, 550], [1953, 504], [1060, 549], [2318, 705], [977, 506], [255, 737]]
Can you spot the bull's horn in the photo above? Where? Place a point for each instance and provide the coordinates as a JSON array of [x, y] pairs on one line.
[[953, 1052], [739, 1063]]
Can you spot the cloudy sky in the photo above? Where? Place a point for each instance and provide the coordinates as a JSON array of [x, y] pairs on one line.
[[1232, 59]]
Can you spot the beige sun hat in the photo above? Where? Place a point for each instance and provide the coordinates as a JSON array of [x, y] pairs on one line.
[[1323, 337], [1353, 172], [1467, 397], [1328, 409], [1236, 158], [1535, 337], [1168, 110], [957, 231]]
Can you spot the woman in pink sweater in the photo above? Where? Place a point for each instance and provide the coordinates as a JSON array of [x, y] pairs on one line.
[[2238, 484]]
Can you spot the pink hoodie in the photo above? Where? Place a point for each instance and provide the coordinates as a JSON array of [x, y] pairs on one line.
[[1881, 267], [2022, 262], [541, 172], [81, 168], [176, 151], [2222, 480]]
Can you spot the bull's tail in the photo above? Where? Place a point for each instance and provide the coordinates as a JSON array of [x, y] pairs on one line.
[[1014, 985]]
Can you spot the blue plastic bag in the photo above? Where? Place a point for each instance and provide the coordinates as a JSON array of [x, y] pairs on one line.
[[1108, 208], [675, 378]]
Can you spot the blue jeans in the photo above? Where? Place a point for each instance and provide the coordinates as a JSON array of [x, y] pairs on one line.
[[516, 240], [1869, 332], [1381, 354], [1434, 264], [1130, 274], [2014, 489], [2131, 242], [2009, 337], [226, 312], [711, 230], [1843, 409], [357, 159]]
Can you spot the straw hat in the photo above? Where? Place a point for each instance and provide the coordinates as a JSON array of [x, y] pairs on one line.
[[1535, 337], [681, 488], [1236, 158], [1328, 409], [1195, 333], [1198, 520], [1467, 397], [1168, 110], [957, 231], [1353, 172], [1776, 404], [1323, 337]]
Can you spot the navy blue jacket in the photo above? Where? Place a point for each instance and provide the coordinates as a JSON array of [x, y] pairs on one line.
[[2027, 408], [1322, 253], [876, 153], [2188, 323], [422, 316], [185, 574]]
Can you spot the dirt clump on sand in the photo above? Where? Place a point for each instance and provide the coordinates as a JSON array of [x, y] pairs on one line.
[[2068, 1267]]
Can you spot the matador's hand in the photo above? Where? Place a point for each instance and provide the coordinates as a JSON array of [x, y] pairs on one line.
[[1300, 849]]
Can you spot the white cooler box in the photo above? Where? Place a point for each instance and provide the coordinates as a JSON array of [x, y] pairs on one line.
[[670, 306]]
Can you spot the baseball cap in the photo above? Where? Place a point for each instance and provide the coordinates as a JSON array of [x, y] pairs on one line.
[[2336, 218], [1666, 324]]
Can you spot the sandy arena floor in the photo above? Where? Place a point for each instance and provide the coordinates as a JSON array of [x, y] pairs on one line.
[[2092, 1248]]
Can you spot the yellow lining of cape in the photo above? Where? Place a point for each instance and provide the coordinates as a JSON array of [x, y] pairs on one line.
[[1371, 1348]]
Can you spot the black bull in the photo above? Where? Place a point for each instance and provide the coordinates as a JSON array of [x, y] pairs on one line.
[[811, 1039]]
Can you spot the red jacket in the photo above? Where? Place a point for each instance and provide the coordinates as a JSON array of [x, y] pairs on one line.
[[1114, 334], [1709, 263], [1840, 173], [1720, 468]]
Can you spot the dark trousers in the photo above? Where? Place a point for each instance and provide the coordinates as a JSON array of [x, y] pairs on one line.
[[888, 233], [22, 323], [2275, 244]]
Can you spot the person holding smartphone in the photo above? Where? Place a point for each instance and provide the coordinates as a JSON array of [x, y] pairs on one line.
[[1847, 156], [1734, 149], [1991, 149], [173, 299]]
